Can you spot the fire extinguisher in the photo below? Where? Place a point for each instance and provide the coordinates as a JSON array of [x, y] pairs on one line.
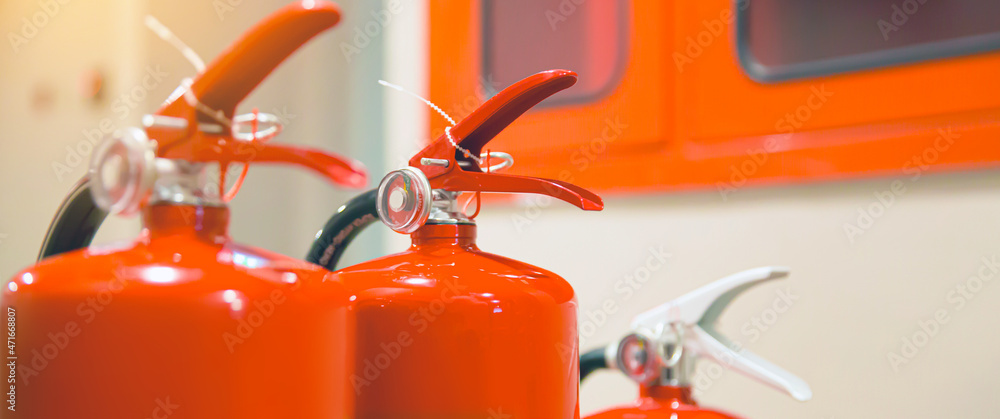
[[445, 330], [183, 322], [665, 343]]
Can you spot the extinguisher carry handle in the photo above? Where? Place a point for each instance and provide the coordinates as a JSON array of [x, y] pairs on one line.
[[335, 168], [342, 228], [463, 173], [75, 224], [489, 182]]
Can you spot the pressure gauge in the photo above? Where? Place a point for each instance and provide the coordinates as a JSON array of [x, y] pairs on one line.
[[404, 199], [637, 357], [122, 171]]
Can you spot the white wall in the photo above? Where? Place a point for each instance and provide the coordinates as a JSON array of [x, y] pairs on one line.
[[856, 301]]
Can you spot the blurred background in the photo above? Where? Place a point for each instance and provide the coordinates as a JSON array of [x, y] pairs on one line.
[[854, 142]]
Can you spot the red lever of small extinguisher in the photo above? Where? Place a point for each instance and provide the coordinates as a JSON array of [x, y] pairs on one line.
[[197, 123], [427, 189], [452, 161]]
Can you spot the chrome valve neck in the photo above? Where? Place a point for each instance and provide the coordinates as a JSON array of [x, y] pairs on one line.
[[445, 209], [183, 182]]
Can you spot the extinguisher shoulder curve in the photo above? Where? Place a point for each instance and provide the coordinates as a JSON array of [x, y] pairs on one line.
[[630, 413], [468, 272], [275, 260], [377, 267], [534, 276], [650, 409], [71, 270], [162, 266]]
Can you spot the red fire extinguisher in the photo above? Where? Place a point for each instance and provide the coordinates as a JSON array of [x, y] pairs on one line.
[[183, 322], [661, 352], [445, 330]]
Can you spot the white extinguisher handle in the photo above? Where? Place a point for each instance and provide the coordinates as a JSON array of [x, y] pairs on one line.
[[694, 315]]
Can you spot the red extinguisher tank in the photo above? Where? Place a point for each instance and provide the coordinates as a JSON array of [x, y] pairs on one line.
[[183, 322], [172, 325], [450, 331], [663, 402], [445, 330]]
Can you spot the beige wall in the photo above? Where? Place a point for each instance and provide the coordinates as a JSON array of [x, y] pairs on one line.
[[855, 301]]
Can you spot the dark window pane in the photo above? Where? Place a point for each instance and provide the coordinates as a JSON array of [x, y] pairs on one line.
[[523, 37], [783, 39]]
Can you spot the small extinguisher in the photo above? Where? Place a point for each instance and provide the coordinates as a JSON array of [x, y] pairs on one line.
[[665, 343], [444, 329], [183, 322]]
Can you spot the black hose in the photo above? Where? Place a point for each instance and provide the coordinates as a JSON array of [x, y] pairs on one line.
[[76, 223], [592, 361], [342, 228]]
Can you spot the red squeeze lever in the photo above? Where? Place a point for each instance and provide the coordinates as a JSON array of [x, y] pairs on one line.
[[196, 122], [462, 173]]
